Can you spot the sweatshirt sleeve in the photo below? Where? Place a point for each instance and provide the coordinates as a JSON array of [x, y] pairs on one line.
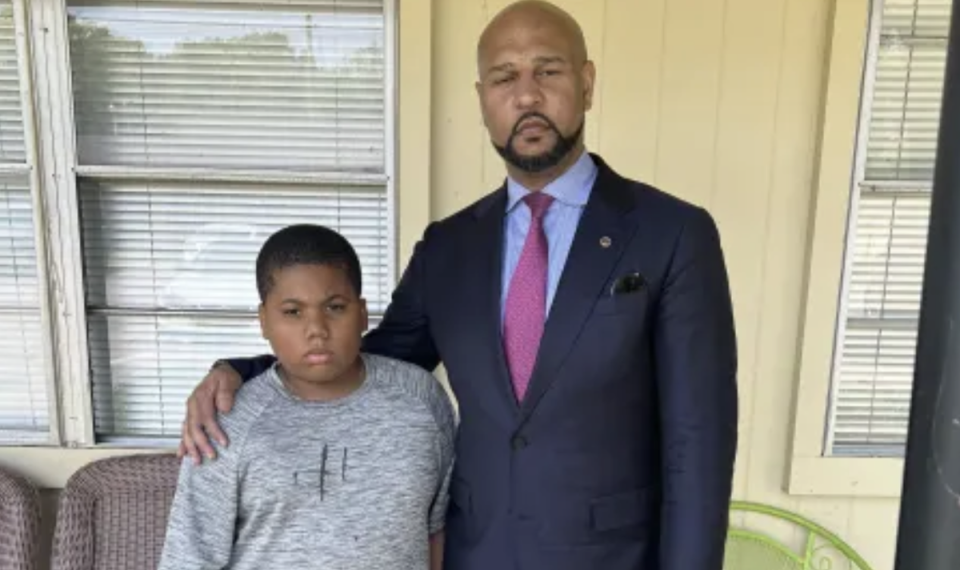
[[203, 515], [445, 417]]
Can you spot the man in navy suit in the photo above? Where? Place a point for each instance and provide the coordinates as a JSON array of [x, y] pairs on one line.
[[585, 323]]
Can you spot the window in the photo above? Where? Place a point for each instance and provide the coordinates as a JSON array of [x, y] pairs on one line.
[[887, 229], [200, 128], [24, 405]]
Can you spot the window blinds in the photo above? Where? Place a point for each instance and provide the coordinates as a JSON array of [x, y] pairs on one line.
[[11, 119], [202, 128], [887, 245], [183, 85], [24, 414]]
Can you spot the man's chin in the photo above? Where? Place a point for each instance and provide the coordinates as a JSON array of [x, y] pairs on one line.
[[538, 152], [536, 162], [531, 158], [532, 149]]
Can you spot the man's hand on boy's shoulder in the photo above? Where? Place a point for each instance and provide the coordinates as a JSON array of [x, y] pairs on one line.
[[215, 393]]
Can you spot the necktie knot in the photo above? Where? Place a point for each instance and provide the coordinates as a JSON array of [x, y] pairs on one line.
[[539, 203]]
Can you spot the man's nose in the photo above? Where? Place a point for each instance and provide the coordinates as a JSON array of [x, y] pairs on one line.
[[529, 94]]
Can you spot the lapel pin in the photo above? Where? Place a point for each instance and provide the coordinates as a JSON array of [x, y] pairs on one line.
[[605, 242]]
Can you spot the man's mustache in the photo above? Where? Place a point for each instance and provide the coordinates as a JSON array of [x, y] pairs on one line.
[[534, 115]]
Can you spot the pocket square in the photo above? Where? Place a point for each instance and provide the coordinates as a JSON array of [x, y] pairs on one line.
[[629, 283]]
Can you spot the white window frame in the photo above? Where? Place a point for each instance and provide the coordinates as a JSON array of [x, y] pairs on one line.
[[47, 98], [859, 169]]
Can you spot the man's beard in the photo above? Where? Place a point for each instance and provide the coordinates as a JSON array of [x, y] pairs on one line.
[[543, 161]]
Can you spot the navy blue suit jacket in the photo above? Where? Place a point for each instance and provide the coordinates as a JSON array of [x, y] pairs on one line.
[[621, 455]]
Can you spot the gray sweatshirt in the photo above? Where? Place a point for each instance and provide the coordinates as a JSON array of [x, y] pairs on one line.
[[358, 483]]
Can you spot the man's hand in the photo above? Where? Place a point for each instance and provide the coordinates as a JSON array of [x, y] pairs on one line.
[[216, 392], [436, 551]]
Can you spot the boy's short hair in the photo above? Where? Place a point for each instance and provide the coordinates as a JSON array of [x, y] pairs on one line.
[[306, 244]]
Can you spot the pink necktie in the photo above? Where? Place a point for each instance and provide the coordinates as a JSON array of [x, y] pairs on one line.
[[526, 304]]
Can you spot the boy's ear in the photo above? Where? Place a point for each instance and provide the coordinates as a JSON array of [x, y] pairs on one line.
[[262, 315]]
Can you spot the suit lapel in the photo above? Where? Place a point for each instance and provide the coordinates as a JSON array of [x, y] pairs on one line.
[[601, 238], [486, 295]]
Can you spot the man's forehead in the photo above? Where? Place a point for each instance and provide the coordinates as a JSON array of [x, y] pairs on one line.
[[509, 62], [523, 40], [526, 51], [524, 32]]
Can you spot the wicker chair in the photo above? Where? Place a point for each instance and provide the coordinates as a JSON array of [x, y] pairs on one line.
[[19, 522], [113, 514]]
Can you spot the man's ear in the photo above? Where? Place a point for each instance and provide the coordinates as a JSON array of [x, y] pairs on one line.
[[478, 85], [588, 77]]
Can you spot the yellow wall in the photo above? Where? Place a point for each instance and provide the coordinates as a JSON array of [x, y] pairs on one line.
[[717, 101]]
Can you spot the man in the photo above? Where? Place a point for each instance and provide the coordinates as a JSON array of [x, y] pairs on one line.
[[585, 323]]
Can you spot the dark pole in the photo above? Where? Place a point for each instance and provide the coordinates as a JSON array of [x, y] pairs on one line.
[[929, 532]]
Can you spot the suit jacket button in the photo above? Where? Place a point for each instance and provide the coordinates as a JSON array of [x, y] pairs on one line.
[[519, 442]]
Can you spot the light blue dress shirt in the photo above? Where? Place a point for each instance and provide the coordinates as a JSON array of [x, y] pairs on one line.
[[571, 192]]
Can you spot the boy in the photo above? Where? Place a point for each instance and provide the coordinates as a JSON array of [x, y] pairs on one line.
[[337, 459]]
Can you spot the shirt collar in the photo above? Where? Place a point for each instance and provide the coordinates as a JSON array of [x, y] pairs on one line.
[[572, 187]]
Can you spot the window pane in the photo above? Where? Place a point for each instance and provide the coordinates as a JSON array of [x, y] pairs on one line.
[[916, 18], [873, 396], [203, 85], [875, 369], [905, 115], [11, 119], [145, 366], [151, 249], [887, 254], [180, 246], [24, 414]]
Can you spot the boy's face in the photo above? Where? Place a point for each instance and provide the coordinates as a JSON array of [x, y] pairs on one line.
[[314, 320]]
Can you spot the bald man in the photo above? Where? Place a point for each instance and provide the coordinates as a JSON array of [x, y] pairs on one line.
[[585, 323]]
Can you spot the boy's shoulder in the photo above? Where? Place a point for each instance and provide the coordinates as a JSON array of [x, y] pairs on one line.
[[250, 401], [256, 390], [407, 378], [410, 382], [389, 366]]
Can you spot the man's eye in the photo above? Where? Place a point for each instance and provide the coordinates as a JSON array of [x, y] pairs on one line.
[[337, 307], [291, 312]]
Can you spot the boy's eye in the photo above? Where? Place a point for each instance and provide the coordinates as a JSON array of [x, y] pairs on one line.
[[291, 312], [337, 307]]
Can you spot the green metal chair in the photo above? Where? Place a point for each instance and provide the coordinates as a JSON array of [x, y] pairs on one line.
[[762, 537]]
